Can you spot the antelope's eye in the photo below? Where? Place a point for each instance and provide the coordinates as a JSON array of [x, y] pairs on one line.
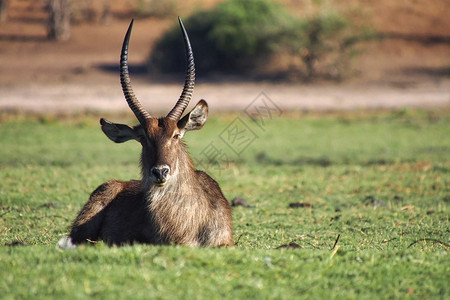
[[176, 136]]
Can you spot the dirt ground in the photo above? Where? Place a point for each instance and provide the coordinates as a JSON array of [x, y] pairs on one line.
[[410, 69]]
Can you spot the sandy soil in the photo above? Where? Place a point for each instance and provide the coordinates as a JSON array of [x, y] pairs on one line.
[[72, 98], [36, 75]]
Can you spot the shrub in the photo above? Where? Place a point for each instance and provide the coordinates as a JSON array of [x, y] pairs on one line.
[[243, 36], [235, 35], [323, 37]]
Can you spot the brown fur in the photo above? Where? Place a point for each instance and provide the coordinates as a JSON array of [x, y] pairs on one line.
[[189, 209], [173, 203]]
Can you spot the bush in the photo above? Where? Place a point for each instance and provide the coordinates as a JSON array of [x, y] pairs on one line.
[[323, 37], [234, 36], [243, 36]]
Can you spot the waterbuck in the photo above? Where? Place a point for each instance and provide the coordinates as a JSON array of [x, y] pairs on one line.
[[173, 202]]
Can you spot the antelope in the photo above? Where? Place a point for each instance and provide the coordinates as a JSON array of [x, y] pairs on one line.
[[173, 203]]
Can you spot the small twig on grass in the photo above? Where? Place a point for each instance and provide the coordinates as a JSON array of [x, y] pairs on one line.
[[335, 246], [291, 245], [239, 238], [390, 240], [335, 243], [429, 240], [15, 244]]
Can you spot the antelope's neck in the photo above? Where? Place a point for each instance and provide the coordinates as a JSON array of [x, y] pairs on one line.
[[178, 209], [182, 187]]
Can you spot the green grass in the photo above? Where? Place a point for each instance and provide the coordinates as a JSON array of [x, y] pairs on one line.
[[379, 180]]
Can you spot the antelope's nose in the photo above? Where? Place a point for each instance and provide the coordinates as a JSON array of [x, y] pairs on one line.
[[160, 174]]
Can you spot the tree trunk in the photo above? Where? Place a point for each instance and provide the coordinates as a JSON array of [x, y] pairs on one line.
[[59, 20], [3, 10]]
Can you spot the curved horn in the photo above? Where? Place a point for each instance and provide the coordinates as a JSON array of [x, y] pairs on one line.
[[189, 82], [125, 81]]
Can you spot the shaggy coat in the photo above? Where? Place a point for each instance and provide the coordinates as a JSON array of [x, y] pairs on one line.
[[173, 203]]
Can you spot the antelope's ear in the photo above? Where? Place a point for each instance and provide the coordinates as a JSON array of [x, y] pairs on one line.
[[120, 133], [195, 119]]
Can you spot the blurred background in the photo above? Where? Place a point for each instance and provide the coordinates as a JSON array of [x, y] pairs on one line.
[[61, 56]]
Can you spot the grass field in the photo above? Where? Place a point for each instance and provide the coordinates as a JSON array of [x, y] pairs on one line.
[[380, 181]]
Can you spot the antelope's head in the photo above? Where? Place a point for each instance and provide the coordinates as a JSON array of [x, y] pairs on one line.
[[163, 151]]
